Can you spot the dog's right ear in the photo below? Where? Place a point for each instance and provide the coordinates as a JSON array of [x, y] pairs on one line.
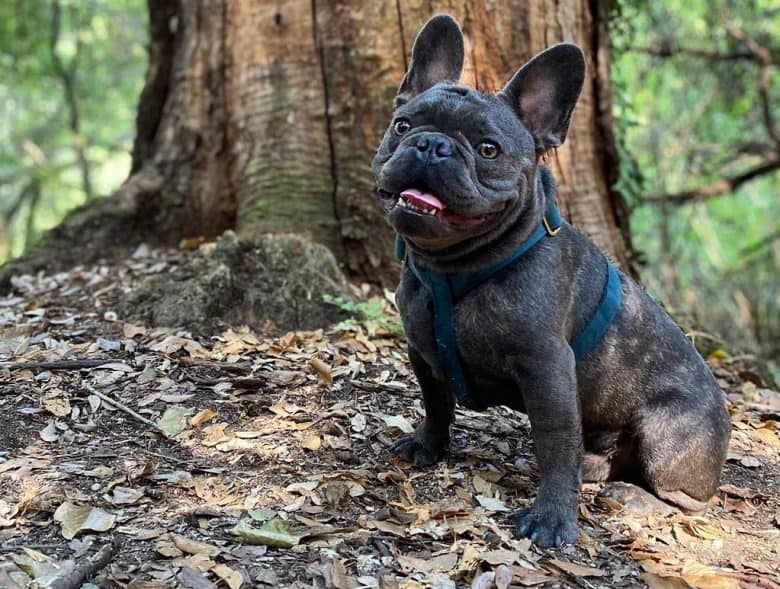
[[437, 56]]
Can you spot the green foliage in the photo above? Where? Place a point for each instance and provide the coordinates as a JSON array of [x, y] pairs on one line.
[[374, 313], [101, 43], [689, 113]]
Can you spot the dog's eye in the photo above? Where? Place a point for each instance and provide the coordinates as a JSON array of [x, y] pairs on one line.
[[401, 127], [488, 150]]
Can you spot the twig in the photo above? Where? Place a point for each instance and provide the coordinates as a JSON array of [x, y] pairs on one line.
[[20, 545], [764, 57], [125, 408], [384, 386], [57, 364], [669, 49], [226, 366], [86, 569], [242, 381], [723, 186]]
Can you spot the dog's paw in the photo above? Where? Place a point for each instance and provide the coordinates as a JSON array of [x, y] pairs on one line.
[[412, 450], [545, 526]]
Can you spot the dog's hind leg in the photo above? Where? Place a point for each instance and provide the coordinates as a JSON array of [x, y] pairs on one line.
[[595, 467], [609, 456], [682, 439]]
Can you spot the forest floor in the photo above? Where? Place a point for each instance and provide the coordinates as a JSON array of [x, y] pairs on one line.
[[242, 460]]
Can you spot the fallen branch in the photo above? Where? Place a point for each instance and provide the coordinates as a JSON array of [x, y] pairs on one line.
[[122, 407], [86, 569], [57, 364]]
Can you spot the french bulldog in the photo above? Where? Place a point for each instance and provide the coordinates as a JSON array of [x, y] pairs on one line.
[[459, 176]]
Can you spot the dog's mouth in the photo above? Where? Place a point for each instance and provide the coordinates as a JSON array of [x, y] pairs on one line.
[[420, 201]]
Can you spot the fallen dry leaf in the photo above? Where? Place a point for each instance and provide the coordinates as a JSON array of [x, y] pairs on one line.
[[495, 557], [437, 564], [233, 578], [322, 369], [56, 401], [191, 546], [491, 503], [49, 433], [130, 331], [76, 518], [484, 580], [768, 437], [313, 443], [701, 529], [202, 417], [214, 434], [575, 569], [503, 577], [398, 421], [656, 581]]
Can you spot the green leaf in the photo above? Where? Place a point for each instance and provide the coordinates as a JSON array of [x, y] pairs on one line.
[[275, 533], [173, 421]]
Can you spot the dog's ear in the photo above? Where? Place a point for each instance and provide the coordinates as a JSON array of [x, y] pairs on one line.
[[437, 55], [544, 91]]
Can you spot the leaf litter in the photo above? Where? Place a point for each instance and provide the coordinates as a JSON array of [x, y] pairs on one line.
[[256, 459]]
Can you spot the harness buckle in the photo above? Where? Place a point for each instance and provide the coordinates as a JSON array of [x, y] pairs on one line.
[[550, 231]]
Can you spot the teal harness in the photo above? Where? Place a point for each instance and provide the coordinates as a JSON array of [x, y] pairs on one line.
[[447, 289]]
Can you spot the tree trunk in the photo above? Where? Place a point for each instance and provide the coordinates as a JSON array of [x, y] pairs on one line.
[[263, 116]]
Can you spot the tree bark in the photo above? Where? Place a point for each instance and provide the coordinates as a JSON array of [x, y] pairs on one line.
[[263, 116]]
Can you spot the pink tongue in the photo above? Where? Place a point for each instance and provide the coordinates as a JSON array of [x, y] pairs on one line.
[[427, 198]]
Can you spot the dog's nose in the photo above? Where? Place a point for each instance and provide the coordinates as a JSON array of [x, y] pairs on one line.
[[433, 147]]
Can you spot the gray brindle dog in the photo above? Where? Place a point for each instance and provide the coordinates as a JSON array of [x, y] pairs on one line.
[[458, 173]]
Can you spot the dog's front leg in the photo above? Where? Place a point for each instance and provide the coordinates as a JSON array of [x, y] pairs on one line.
[[432, 436], [548, 384]]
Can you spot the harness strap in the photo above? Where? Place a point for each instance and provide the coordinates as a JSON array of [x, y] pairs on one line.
[[602, 317], [445, 289]]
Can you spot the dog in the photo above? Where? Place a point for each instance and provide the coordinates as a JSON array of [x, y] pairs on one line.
[[504, 303]]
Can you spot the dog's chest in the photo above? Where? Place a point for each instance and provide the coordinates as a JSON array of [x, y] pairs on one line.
[[484, 330]]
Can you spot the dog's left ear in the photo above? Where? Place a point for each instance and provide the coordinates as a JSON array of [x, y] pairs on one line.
[[437, 55], [544, 91]]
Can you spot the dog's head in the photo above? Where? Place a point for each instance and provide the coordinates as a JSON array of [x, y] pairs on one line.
[[456, 163]]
